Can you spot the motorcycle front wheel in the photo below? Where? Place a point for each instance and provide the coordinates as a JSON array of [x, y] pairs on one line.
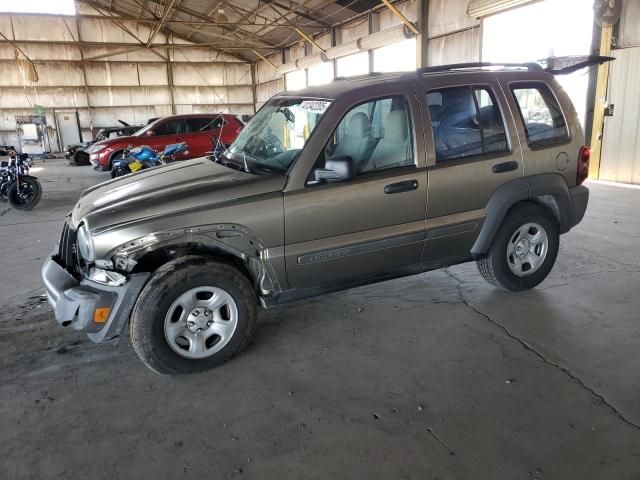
[[119, 171], [27, 196]]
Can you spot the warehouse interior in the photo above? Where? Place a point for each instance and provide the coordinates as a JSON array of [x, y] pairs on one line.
[[434, 376]]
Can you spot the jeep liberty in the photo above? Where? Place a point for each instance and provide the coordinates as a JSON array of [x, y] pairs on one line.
[[364, 179]]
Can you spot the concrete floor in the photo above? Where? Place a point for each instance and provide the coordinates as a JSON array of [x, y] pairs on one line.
[[437, 376]]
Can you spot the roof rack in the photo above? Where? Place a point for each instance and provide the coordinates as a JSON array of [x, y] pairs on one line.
[[531, 66]]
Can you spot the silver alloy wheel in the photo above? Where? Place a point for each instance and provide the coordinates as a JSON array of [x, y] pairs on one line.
[[200, 322], [527, 249]]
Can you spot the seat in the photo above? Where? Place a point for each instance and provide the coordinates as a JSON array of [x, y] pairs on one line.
[[356, 141], [458, 133], [394, 149]]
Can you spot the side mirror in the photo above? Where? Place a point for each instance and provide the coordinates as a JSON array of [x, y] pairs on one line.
[[336, 169]]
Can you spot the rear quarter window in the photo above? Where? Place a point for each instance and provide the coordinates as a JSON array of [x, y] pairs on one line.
[[541, 115]]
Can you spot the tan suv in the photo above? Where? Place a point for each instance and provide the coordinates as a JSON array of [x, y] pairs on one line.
[[358, 181]]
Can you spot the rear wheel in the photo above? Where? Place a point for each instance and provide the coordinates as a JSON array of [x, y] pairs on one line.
[[27, 195], [524, 250], [193, 314]]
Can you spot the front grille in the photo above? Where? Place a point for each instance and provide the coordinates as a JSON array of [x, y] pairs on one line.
[[66, 246]]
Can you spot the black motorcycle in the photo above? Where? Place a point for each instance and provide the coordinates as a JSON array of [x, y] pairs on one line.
[[22, 190]]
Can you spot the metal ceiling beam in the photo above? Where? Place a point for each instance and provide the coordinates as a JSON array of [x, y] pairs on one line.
[[196, 14], [170, 46], [218, 48], [114, 20], [162, 20]]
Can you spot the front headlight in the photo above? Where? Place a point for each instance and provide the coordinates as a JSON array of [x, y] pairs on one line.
[[97, 148], [85, 244]]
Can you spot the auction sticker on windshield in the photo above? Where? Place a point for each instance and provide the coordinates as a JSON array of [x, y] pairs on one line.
[[314, 106]]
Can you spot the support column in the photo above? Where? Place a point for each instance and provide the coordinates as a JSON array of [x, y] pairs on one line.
[[422, 40], [254, 86], [170, 77], [86, 86], [600, 103]]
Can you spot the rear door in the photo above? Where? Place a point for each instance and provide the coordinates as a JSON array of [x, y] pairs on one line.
[[476, 150], [201, 129], [374, 225]]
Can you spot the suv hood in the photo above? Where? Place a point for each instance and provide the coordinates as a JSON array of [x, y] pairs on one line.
[[167, 190]]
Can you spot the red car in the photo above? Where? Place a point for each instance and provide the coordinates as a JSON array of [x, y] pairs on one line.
[[196, 130]]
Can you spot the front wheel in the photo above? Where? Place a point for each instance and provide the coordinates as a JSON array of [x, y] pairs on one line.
[[26, 194], [524, 250], [193, 314], [119, 171]]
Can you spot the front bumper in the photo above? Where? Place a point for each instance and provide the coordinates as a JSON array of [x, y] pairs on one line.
[[74, 303], [100, 160]]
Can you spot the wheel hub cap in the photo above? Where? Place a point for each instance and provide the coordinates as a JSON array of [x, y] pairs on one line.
[[527, 249], [200, 322]]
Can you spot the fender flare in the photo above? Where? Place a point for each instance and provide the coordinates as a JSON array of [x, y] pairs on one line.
[[549, 189], [231, 239]]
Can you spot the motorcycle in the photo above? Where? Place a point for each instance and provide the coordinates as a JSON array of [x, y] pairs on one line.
[[22, 190], [139, 158]]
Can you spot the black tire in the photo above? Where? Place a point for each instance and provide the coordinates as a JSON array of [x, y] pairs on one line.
[[81, 158], [164, 287], [494, 267], [21, 202], [115, 156]]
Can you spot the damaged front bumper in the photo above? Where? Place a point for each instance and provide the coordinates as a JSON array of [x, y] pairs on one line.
[[75, 303]]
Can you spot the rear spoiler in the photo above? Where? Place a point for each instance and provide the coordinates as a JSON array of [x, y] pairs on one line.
[[573, 64]]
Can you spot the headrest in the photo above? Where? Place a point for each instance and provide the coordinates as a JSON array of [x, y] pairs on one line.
[[435, 111], [396, 129], [359, 125], [457, 100]]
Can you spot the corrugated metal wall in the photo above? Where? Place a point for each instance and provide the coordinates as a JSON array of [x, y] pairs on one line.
[[453, 37], [620, 159], [132, 87]]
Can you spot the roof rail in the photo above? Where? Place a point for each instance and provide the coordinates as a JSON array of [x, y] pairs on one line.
[[531, 66]]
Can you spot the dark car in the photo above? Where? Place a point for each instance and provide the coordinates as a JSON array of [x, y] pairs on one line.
[[196, 130], [77, 153]]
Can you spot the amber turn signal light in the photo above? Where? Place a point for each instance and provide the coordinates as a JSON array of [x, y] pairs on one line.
[[101, 314]]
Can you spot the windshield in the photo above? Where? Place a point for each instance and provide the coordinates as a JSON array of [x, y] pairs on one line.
[[274, 138], [144, 129]]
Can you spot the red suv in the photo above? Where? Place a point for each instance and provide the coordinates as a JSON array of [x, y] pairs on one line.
[[195, 130]]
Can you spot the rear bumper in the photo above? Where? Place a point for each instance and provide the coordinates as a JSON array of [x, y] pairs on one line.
[[579, 201], [74, 303]]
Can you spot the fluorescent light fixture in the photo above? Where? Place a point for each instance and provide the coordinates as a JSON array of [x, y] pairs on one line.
[[60, 7]]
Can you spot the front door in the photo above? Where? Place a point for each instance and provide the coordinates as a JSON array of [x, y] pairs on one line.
[[476, 149], [373, 225]]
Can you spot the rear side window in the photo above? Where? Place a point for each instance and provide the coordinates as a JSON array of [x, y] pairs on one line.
[[466, 121], [201, 124], [541, 115]]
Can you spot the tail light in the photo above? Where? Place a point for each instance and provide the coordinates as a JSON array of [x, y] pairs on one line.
[[583, 165]]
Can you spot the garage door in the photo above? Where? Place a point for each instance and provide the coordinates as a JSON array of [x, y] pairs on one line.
[[620, 159], [483, 8]]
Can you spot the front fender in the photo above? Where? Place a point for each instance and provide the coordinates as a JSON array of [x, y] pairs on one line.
[[231, 239]]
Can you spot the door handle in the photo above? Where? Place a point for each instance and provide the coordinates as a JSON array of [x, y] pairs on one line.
[[505, 167], [400, 187]]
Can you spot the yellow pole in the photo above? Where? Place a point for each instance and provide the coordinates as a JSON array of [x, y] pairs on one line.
[[600, 103], [404, 19], [309, 39]]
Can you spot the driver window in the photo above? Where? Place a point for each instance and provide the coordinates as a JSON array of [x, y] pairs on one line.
[[170, 127], [376, 135]]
